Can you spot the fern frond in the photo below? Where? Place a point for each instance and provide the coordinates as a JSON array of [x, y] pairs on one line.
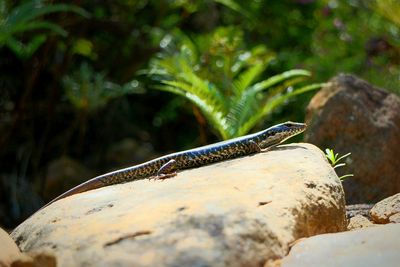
[[241, 109], [280, 78], [188, 49], [214, 116], [204, 89], [271, 104], [247, 77]]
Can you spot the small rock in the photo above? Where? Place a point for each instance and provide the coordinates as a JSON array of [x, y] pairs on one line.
[[384, 210], [372, 246], [350, 115], [358, 222]]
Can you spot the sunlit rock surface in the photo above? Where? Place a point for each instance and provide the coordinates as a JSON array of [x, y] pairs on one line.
[[241, 212], [387, 210], [372, 246], [8, 249], [10, 256]]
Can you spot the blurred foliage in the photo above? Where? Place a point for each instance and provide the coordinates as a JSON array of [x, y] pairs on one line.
[[23, 18], [390, 9], [88, 90], [219, 75], [354, 37], [69, 83]]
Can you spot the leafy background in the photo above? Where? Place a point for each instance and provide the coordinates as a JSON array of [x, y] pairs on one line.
[[91, 81]]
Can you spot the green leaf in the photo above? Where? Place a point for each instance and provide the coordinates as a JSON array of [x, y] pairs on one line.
[[247, 77], [271, 104], [236, 7], [339, 165], [215, 117], [26, 17], [38, 25], [342, 157], [274, 80], [32, 10], [344, 177], [25, 51]]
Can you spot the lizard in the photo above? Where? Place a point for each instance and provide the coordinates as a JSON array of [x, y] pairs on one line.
[[168, 165]]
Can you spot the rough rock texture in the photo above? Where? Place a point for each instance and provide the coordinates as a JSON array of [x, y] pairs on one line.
[[384, 210], [358, 222], [349, 115], [11, 256], [36, 259], [395, 218], [373, 246], [242, 212]]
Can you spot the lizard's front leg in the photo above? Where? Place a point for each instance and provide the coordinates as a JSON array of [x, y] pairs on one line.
[[167, 170]]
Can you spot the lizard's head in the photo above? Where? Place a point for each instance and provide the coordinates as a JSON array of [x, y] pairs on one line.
[[280, 132]]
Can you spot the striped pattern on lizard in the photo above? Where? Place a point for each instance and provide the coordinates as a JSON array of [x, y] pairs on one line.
[[166, 166]]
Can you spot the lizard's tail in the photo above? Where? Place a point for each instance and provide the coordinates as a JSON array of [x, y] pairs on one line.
[[86, 186]]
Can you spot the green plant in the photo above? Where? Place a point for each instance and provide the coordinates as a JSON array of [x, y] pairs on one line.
[[89, 91], [334, 161], [363, 36], [27, 17], [221, 77]]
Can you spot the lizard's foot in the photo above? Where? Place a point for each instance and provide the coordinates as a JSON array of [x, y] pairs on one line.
[[269, 148], [163, 176]]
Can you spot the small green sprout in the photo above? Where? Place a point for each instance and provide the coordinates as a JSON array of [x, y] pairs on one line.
[[334, 161]]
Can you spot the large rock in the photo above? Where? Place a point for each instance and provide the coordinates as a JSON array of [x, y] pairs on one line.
[[349, 115], [373, 246], [241, 212]]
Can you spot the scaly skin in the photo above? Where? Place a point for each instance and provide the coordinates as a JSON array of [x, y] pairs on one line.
[[167, 166]]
